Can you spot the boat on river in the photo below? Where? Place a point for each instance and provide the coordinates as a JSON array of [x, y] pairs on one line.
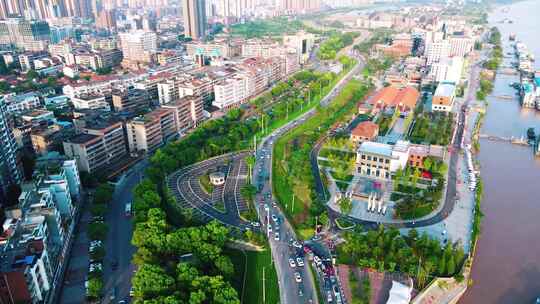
[[531, 135]]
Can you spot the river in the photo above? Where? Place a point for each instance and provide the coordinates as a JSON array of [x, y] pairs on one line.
[[507, 264]]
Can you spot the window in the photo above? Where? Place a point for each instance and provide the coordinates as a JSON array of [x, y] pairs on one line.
[[387, 161], [374, 158], [363, 157], [369, 157]]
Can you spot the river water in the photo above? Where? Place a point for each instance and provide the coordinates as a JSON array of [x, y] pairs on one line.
[[507, 265]]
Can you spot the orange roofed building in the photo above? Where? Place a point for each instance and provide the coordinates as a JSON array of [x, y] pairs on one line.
[[404, 99], [364, 131]]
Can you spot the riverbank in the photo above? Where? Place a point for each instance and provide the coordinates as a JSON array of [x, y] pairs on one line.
[[506, 265]]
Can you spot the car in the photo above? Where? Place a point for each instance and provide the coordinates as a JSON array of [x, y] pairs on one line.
[[297, 244], [266, 207], [276, 236], [300, 261], [274, 218], [269, 228], [297, 277], [131, 292], [255, 224], [292, 263], [317, 260], [300, 292], [316, 238], [329, 298]]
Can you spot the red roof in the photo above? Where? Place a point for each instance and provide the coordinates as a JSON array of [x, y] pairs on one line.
[[393, 97], [367, 129]]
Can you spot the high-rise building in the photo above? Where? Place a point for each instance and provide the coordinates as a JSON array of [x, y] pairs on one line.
[[9, 171], [194, 18], [106, 19], [138, 45], [31, 35]]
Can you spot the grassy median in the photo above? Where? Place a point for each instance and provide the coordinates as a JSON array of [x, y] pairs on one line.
[[292, 181], [253, 284]]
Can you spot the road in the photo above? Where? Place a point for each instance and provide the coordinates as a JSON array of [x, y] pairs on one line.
[[185, 185], [118, 244], [282, 249]]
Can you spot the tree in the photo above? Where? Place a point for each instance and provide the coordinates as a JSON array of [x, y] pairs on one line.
[[103, 194], [442, 265], [152, 280], [345, 205], [451, 266], [98, 209], [31, 75], [3, 67], [248, 192], [97, 231], [95, 287]]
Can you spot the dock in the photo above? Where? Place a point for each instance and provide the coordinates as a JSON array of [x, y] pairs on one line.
[[512, 140]]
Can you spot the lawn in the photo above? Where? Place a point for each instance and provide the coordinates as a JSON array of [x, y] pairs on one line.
[[257, 263], [206, 185], [263, 28]]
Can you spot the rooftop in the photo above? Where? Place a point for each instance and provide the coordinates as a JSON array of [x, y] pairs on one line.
[[366, 129], [375, 148], [445, 90], [82, 138]]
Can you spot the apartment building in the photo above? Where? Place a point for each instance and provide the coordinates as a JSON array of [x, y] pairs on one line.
[[92, 101], [149, 132], [36, 236], [447, 69], [130, 100], [49, 139], [233, 91], [443, 99], [189, 112], [101, 143], [17, 103], [302, 42], [460, 45], [139, 45], [215, 49], [261, 48], [437, 50]]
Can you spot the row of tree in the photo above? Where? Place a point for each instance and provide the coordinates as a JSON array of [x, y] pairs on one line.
[[386, 250]]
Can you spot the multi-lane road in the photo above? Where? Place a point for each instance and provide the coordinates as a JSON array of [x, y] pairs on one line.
[[291, 291]]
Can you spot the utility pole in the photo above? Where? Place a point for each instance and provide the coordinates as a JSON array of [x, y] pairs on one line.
[[264, 287]]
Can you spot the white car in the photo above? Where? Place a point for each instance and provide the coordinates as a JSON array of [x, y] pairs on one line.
[[274, 218], [292, 263], [297, 277], [276, 236], [266, 207], [269, 228], [317, 260], [300, 262], [255, 224]]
